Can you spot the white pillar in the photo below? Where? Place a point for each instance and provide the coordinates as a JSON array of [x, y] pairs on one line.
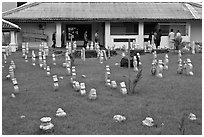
[[58, 34], [188, 29], [13, 41], [13, 38], [16, 39], [107, 35], [141, 34]]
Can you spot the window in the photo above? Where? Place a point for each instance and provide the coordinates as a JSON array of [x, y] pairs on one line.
[[166, 28], [149, 27], [124, 28], [78, 31]]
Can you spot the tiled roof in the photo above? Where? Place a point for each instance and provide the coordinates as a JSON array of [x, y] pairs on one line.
[[7, 26], [101, 11]]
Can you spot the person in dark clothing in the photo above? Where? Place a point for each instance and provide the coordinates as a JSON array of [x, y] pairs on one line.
[[178, 40], [96, 37], [85, 39], [155, 36], [63, 38], [97, 40], [54, 39], [158, 38], [150, 37]]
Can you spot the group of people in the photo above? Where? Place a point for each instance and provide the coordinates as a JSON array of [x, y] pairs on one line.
[[63, 39], [175, 39], [155, 38], [86, 38]]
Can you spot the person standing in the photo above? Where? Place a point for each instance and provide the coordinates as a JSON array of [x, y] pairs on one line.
[[63, 38], [151, 36], [96, 37], [54, 39], [178, 40], [97, 40], [85, 39], [154, 38], [171, 39], [158, 38]]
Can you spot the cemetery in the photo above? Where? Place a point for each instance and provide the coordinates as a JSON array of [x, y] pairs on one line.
[[48, 93], [102, 68]]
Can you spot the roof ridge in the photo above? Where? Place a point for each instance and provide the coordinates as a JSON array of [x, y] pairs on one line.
[[24, 6]]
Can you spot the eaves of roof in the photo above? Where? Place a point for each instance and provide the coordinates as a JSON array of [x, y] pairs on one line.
[[20, 8], [8, 26]]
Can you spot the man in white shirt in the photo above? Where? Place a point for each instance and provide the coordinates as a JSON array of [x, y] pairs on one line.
[[171, 39]]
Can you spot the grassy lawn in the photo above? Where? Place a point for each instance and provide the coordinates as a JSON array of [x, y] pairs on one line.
[[165, 99]]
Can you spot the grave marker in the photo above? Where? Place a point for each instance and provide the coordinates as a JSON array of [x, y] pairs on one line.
[[53, 59], [56, 84], [48, 70], [123, 88], [82, 89], [26, 58], [180, 68], [40, 60], [15, 86], [91, 47], [154, 66], [83, 54], [193, 47], [5, 58], [135, 63], [189, 67], [92, 94], [113, 84], [166, 61], [27, 48], [46, 126], [44, 62], [23, 49], [159, 69], [11, 72], [13, 64], [46, 49], [33, 58]]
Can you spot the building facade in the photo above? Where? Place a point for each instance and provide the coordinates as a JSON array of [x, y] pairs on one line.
[[116, 22]]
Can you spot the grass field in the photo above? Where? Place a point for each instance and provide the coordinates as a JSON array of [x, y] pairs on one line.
[[165, 99]]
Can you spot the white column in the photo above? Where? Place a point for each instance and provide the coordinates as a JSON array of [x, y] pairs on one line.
[[141, 34], [13, 41], [13, 38], [16, 39], [188, 29], [58, 34], [107, 35]]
